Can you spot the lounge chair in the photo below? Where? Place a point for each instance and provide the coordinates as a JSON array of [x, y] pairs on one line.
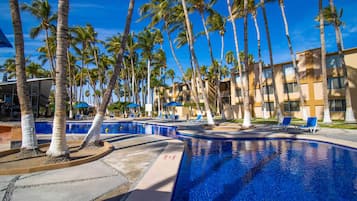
[[198, 118], [284, 124], [311, 125]]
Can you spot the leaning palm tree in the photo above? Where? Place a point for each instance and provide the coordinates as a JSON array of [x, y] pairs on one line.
[[99, 117], [41, 9], [58, 147], [335, 20], [210, 120], [29, 140], [327, 118], [276, 97], [297, 74]]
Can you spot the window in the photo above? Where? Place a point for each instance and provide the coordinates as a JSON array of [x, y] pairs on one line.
[[290, 87], [269, 106], [333, 61], [238, 92], [268, 89], [188, 98], [180, 88], [226, 100], [337, 105], [291, 106], [335, 83], [180, 98], [267, 73], [288, 69]]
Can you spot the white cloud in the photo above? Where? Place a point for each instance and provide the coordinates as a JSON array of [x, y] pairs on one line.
[[104, 33]]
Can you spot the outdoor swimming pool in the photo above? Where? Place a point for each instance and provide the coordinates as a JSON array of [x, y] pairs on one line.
[[108, 128], [265, 170], [221, 170]]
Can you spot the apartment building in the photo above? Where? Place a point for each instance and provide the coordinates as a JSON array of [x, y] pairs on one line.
[[309, 67]]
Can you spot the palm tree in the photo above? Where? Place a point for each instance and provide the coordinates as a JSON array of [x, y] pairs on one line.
[[9, 67], [29, 140], [58, 146], [297, 74], [35, 70], [276, 97], [247, 115], [327, 118], [335, 20], [99, 117], [238, 60], [210, 120], [146, 42], [41, 9], [217, 23]]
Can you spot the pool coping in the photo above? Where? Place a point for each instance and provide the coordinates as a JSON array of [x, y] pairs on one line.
[[159, 181]]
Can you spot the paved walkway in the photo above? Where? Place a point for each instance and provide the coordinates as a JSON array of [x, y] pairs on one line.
[[130, 170], [141, 167]]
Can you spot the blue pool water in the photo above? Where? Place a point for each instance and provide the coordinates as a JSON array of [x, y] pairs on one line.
[[265, 170], [222, 170], [109, 128]]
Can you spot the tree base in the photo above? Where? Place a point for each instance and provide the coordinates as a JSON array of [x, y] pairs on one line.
[[29, 153], [58, 159]]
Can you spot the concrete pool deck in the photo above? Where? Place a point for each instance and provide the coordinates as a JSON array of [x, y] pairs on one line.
[[141, 167]]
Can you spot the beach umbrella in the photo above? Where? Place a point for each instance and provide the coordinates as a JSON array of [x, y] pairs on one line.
[[81, 105], [133, 105], [4, 42], [173, 104]]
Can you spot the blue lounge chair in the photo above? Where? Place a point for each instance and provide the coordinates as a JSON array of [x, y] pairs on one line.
[[311, 125], [198, 118], [285, 123]]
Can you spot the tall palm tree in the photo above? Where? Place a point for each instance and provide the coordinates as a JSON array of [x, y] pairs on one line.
[[238, 60], [29, 140], [247, 115], [9, 67], [58, 146], [327, 118], [336, 22], [42, 10], [210, 120], [276, 97], [99, 117], [297, 74], [146, 42], [217, 23]]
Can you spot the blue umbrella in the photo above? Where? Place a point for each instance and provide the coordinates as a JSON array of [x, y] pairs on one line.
[[81, 105], [173, 104], [133, 105], [4, 42]]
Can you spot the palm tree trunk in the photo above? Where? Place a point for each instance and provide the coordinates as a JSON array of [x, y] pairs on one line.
[[327, 118], [53, 68], [264, 110], [132, 79], [190, 87], [70, 86], [297, 74], [219, 102], [349, 115], [210, 120], [99, 117], [58, 146], [247, 114], [29, 140], [237, 52], [276, 97], [148, 90]]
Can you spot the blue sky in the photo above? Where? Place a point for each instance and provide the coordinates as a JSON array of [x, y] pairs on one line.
[[108, 18]]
